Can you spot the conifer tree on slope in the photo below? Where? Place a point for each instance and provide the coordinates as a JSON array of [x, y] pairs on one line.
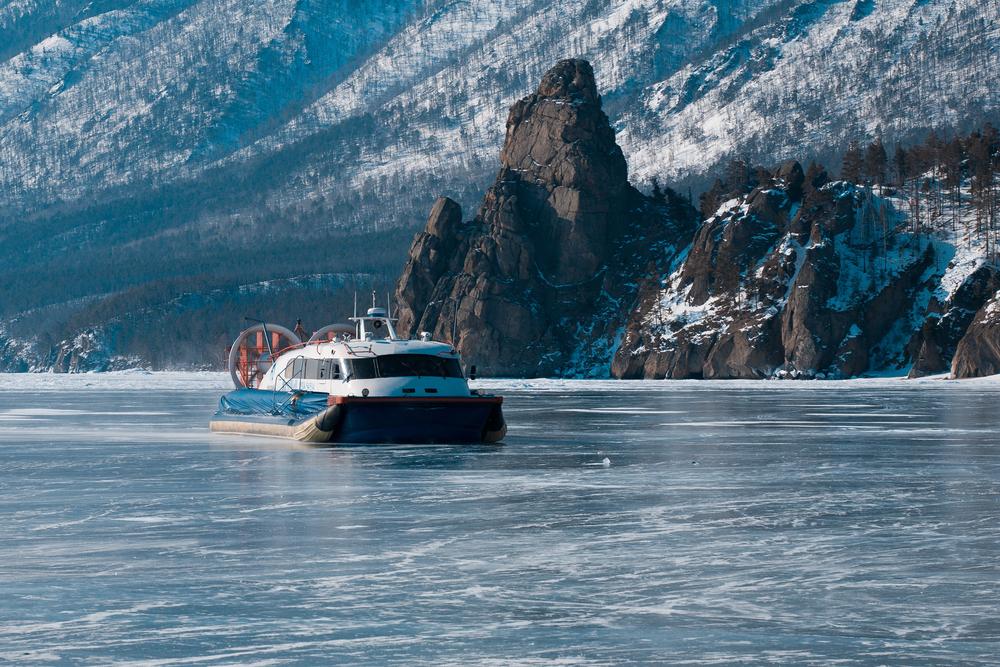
[[850, 168], [875, 162]]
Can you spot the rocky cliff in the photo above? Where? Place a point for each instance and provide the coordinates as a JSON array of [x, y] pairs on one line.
[[978, 352], [806, 278], [934, 345], [87, 352], [567, 270], [540, 281]]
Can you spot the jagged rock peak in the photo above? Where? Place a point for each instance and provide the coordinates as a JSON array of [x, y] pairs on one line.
[[445, 215], [538, 282], [558, 138], [571, 79]]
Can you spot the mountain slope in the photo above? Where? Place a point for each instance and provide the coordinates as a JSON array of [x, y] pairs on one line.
[[164, 89]]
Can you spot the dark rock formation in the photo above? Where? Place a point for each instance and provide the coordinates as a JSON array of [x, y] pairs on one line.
[[90, 351], [432, 253], [539, 282], [720, 248], [783, 281], [86, 352], [978, 353], [568, 270], [934, 345]]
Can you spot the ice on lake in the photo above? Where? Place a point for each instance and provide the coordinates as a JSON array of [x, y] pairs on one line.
[[800, 523]]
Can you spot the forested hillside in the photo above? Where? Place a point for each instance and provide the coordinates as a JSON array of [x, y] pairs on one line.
[[154, 153]]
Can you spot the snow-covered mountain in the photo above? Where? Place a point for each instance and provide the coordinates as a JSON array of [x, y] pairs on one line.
[[102, 94], [152, 141]]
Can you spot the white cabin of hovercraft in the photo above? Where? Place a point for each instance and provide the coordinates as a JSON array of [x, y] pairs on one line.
[[375, 362]]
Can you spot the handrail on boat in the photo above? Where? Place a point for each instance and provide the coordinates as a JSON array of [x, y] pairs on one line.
[[286, 384]]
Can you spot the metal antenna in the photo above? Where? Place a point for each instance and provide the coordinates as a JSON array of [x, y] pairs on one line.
[[355, 303], [388, 303], [373, 298]]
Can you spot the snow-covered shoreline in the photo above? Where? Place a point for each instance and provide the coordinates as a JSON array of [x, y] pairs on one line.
[[219, 381]]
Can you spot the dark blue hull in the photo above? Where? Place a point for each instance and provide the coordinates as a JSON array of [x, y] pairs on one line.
[[414, 421], [375, 420]]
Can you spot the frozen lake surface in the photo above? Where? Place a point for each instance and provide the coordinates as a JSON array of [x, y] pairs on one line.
[[799, 523]]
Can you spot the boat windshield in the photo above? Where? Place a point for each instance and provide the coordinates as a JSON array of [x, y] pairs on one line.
[[404, 365]]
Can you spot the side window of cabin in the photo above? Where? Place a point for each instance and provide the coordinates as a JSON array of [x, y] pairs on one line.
[[293, 369], [312, 369], [363, 369], [327, 369]]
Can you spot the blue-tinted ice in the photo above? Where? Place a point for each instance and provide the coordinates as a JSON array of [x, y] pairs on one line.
[[737, 523]]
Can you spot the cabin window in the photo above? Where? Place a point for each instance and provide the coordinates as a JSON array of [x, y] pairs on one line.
[[329, 369], [409, 365], [293, 370], [363, 369], [405, 365], [312, 369]]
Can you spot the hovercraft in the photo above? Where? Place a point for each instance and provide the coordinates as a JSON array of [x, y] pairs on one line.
[[354, 383]]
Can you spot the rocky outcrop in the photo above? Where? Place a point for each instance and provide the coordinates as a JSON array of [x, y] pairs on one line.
[[934, 346], [566, 269], [669, 334], [978, 353], [431, 255], [86, 352], [540, 280], [789, 279]]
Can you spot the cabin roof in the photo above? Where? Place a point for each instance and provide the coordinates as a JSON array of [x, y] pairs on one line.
[[369, 348]]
